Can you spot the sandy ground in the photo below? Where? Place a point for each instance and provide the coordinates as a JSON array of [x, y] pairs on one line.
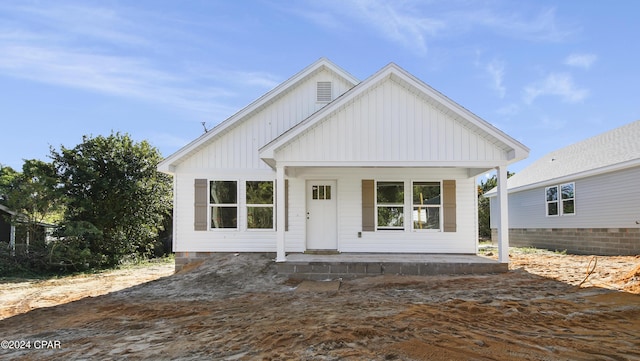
[[237, 308]]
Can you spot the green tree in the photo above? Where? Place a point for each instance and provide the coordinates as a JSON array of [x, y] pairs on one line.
[[484, 210], [33, 197], [116, 200]]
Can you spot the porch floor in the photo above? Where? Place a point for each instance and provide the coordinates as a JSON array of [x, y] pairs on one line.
[[353, 265]]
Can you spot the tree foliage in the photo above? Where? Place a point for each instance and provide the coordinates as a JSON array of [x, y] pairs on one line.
[[105, 196], [116, 200], [32, 195], [484, 211]]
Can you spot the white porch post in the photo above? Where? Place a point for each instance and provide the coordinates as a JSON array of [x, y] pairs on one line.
[[503, 221], [280, 214], [12, 239]]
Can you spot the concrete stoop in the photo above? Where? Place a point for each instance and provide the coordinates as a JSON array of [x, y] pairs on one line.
[[312, 270]]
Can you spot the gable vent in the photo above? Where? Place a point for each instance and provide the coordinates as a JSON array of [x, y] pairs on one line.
[[324, 92]]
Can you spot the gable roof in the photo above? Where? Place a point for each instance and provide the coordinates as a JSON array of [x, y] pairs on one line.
[[613, 150], [321, 64], [516, 150]]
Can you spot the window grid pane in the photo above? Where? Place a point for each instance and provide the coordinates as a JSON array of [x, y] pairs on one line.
[[223, 192], [259, 192], [224, 217], [321, 192], [390, 193], [426, 193], [426, 218], [390, 217], [260, 217]]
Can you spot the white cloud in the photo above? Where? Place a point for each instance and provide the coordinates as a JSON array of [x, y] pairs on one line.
[[545, 123], [581, 60], [511, 109], [557, 84], [92, 48], [495, 68], [413, 24], [542, 27], [397, 21]]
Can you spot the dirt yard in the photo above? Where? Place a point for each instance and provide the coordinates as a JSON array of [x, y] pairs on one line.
[[236, 308]]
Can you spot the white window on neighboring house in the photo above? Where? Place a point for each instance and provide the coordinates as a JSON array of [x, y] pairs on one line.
[[552, 201], [260, 214], [560, 200], [223, 202], [390, 205], [568, 198], [324, 92]]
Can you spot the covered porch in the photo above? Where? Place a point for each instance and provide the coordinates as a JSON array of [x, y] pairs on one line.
[[354, 265]]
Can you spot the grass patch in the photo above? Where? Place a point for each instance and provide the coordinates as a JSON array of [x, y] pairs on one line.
[[13, 272]]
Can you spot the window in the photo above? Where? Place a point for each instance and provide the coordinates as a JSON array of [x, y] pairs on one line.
[[223, 201], [390, 205], [260, 205], [323, 92], [568, 198], [560, 200], [552, 201], [320, 192], [426, 205]]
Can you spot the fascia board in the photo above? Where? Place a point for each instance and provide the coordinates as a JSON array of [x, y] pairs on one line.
[[520, 151]]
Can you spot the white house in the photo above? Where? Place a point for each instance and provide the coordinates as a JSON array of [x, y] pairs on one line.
[[326, 162], [584, 198]]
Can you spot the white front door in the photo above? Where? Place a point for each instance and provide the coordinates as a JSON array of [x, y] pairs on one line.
[[322, 215]]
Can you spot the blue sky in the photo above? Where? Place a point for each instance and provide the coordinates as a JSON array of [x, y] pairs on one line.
[[548, 73]]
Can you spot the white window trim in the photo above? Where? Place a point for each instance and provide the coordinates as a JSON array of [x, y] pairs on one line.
[[440, 206], [559, 200], [561, 205], [247, 205], [229, 205], [403, 206]]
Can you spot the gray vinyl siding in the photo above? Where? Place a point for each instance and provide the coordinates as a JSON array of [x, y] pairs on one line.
[[601, 201]]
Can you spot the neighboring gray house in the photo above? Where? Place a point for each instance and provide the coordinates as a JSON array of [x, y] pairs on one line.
[[584, 198]]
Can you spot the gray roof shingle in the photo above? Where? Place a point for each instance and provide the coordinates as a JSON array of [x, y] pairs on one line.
[[616, 146]]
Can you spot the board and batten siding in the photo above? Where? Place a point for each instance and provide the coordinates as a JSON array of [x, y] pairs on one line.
[[238, 147], [391, 123], [610, 200]]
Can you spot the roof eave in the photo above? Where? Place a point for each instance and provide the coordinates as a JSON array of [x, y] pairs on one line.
[[570, 177]]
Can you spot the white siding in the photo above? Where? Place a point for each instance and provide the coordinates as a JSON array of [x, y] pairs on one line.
[[238, 147], [349, 197], [604, 201], [390, 123], [241, 240]]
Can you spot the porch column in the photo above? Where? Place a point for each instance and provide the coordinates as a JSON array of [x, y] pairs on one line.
[[12, 239], [503, 221], [280, 214]]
